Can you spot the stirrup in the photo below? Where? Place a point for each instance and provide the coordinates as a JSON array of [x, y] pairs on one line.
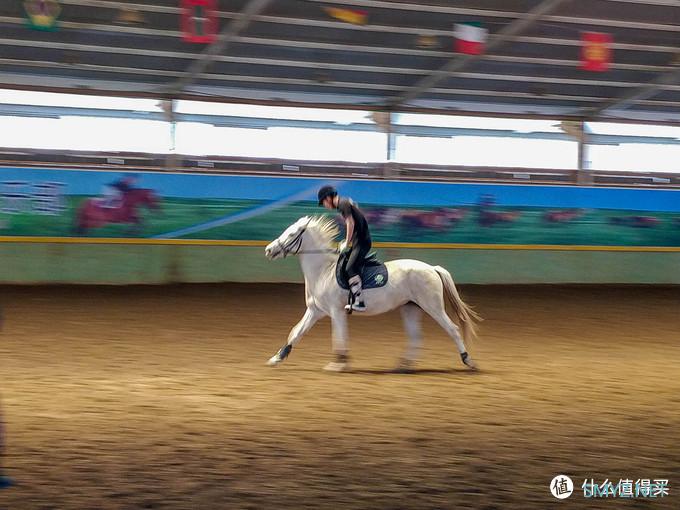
[[359, 306]]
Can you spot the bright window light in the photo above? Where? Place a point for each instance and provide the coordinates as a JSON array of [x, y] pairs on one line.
[[77, 101], [287, 143], [488, 151], [85, 133]]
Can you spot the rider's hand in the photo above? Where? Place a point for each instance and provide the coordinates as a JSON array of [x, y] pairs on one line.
[[344, 247]]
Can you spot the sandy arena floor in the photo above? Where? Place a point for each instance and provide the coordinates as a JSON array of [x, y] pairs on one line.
[[134, 398]]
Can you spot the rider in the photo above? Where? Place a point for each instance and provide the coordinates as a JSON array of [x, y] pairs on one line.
[[115, 191], [357, 243]]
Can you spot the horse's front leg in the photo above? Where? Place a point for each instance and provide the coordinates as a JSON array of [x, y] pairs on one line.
[[340, 349], [136, 226], [308, 320]]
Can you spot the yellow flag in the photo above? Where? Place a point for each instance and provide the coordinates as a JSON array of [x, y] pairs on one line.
[[348, 15]]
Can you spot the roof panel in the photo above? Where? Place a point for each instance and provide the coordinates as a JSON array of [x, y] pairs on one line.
[[296, 51]]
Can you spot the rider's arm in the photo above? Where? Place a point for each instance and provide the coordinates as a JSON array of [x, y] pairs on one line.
[[349, 223]]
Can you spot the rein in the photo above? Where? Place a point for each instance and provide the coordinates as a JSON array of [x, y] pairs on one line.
[[296, 244], [327, 250]]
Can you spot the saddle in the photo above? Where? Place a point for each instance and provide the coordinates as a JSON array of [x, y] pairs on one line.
[[373, 272]]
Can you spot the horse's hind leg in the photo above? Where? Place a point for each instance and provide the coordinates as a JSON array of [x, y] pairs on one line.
[[340, 349], [411, 315], [434, 306]]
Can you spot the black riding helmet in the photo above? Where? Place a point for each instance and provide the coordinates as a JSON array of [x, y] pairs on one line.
[[326, 191]]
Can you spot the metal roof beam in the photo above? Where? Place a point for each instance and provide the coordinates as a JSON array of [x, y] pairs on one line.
[[306, 22], [224, 80], [459, 62], [502, 14], [407, 51], [639, 94], [302, 63], [394, 5], [108, 4], [343, 47], [42, 64], [331, 101], [664, 3], [56, 112]]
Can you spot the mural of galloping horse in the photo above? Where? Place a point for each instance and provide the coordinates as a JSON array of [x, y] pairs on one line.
[[93, 214]]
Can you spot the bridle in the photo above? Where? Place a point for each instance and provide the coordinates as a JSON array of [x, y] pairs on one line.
[[293, 246]]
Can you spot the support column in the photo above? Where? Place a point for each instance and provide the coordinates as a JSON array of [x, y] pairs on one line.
[[391, 144], [172, 160], [583, 175]]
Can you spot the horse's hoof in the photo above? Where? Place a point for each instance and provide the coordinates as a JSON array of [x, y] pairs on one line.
[[280, 356], [274, 360], [467, 360], [405, 366], [472, 365], [337, 366], [341, 364]]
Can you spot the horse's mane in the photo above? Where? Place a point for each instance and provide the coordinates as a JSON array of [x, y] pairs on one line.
[[325, 229]]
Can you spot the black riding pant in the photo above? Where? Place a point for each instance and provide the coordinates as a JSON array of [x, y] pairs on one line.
[[355, 261]]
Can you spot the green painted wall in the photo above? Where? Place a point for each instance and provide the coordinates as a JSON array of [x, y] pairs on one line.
[[30, 263]]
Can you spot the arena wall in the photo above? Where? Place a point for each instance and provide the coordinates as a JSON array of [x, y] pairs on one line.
[[39, 263], [212, 228]]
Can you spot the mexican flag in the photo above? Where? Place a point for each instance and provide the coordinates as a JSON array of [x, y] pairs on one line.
[[42, 14], [470, 38]]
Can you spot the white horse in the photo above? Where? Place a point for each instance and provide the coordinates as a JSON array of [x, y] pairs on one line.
[[411, 285]]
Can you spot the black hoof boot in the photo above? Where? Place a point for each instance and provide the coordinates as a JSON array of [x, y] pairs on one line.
[[285, 351], [467, 360]]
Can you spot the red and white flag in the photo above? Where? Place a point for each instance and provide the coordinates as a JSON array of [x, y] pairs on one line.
[[199, 21], [470, 38]]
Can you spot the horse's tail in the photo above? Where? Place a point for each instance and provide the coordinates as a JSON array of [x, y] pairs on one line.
[[467, 317]]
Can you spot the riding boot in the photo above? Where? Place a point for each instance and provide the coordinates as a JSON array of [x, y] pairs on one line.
[[356, 302]]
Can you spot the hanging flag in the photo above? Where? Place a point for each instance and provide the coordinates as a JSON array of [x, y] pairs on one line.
[[470, 38], [427, 42], [596, 53], [352, 16], [129, 17], [199, 21], [42, 14]]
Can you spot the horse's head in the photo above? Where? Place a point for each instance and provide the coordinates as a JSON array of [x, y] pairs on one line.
[[307, 235], [145, 197], [290, 241]]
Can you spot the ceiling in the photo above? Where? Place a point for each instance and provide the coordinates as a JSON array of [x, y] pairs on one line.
[[293, 52]]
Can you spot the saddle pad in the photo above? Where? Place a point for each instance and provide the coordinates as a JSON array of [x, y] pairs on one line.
[[372, 276]]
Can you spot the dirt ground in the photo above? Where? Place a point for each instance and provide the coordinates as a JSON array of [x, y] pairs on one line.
[[159, 397]]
